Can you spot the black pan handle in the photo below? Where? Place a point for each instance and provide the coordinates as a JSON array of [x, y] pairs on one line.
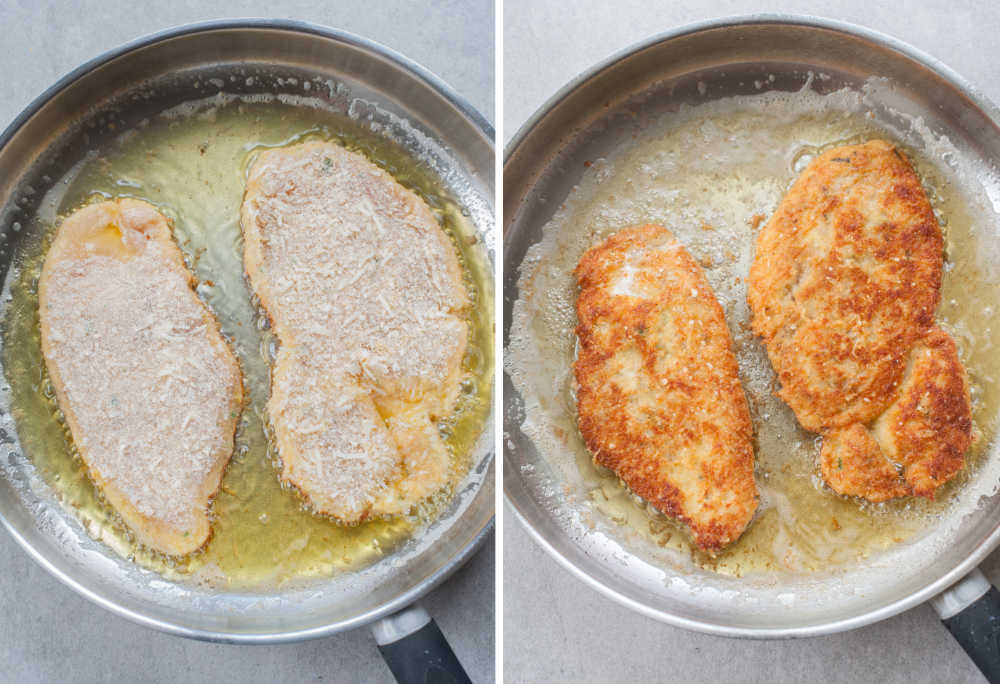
[[415, 649], [970, 609]]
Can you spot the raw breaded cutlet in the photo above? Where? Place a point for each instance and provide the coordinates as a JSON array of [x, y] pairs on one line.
[[843, 289], [658, 392], [366, 296], [150, 389]]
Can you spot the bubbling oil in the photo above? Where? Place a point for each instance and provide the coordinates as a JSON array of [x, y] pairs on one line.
[[712, 174], [191, 163]]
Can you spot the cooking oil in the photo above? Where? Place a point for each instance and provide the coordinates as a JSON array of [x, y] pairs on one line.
[[191, 163], [713, 174]]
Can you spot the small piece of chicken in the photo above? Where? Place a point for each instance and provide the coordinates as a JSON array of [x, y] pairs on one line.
[[919, 442], [149, 387], [365, 293], [843, 289], [658, 391]]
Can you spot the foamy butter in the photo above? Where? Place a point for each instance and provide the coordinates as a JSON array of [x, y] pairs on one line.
[[191, 162], [712, 174]]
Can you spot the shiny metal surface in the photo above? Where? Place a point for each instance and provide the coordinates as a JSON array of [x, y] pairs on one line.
[[400, 625], [151, 75], [542, 165]]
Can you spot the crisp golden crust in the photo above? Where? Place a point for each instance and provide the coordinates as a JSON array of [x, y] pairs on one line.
[[658, 391], [919, 443], [150, 389], [843, 290], [928, 428], [845, 281], [853, 464]]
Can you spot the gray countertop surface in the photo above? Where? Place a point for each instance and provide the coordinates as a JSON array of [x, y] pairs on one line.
[[47, 632], [555, 627]]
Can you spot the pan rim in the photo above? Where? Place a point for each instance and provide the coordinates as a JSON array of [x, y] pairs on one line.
[[915, 598], [479, 122], [291, 25]]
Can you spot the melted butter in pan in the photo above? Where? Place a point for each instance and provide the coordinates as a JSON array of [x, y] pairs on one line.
[[192, 167], [712, 174]]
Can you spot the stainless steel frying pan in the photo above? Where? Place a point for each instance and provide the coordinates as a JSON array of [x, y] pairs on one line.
[[147, 77], [590, 118]]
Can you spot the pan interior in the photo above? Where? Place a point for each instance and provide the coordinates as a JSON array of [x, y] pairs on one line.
[[702, 147], [214, 106], [191, 162]]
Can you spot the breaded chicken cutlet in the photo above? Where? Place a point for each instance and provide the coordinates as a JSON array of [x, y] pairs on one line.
[[366, 296], [843, 289], [150, 389], [658, 392]]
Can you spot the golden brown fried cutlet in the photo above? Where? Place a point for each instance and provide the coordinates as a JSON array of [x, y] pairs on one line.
[[843, 289], [658, 391]]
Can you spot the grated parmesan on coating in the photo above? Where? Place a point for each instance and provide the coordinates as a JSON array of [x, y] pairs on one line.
[[365, 294], [149, 388]]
